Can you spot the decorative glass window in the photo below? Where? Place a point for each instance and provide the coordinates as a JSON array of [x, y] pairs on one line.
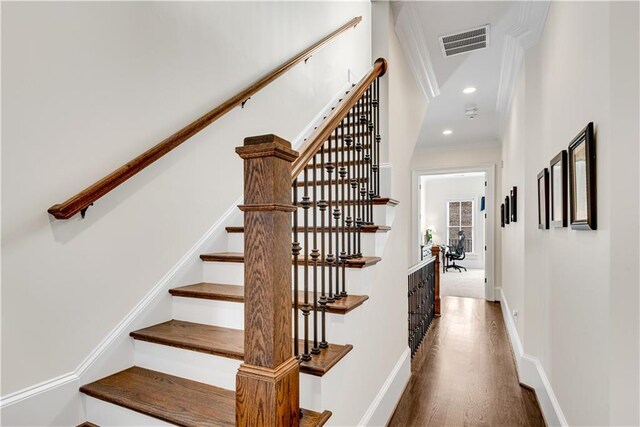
[[460, 218]]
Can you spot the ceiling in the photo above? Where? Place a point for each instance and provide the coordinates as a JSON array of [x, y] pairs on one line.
[[491, 71]]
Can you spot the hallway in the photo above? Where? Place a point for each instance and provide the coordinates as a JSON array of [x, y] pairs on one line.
[[464, 373]]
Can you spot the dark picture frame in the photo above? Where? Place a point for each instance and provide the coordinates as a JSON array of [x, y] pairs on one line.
[[507, 211], [543, 199], [558, 190], [582, 180], [514, 204], [502, 215]]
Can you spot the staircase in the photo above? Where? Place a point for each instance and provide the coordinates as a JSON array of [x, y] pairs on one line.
[[316, 215]]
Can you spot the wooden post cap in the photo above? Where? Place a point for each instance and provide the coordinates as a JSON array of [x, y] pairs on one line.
[[262, 139], [267, 146]]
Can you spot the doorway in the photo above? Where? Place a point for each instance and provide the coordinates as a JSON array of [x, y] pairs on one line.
[[453, 209]]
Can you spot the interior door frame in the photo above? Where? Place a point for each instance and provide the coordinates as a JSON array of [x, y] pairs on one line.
[[490, 223]]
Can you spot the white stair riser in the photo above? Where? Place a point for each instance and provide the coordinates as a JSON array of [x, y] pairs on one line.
[[232, 273], [209, 369], [193, 365], [231, 315], [225, 314], [103, 413], [370, 243]]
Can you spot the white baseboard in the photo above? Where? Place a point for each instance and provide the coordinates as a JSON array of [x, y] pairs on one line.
[[383, 405], [531, 372]]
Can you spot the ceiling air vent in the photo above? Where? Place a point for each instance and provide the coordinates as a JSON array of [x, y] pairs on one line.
[[466, 41]]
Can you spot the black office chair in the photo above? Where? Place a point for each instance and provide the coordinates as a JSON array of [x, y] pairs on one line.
[[456, 253]]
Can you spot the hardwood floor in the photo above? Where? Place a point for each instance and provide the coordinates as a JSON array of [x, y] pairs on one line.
[[464, 373]]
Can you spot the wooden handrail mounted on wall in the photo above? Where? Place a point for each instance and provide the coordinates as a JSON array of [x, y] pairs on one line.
[[81, 201]]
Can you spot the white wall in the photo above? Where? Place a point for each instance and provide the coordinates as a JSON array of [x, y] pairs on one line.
[[577, 291], [406, 108], [86, 87], [436, 192]]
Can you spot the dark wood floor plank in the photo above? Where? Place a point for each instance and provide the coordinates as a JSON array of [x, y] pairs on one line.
[[235, 293], [176, 400], [464, 373], [228, 342], [238, 257]]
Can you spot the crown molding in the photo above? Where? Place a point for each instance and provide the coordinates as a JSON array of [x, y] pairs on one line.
[[414, 45], [531, 19]]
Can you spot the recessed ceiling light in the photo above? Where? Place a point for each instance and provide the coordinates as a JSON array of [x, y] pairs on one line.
[[447, 132], [469, 90]]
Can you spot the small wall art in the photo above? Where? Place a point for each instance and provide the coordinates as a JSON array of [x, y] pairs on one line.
[[513, 196], [543, 199], [558, 190], [507, 211]]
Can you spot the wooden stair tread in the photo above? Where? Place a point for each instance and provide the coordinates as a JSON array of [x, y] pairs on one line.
[[227, 342], [365, 229], [235, 293], [238, 257], [176, 400]]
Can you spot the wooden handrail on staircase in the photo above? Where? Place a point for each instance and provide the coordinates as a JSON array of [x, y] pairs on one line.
[[320, 136], [81, 201]]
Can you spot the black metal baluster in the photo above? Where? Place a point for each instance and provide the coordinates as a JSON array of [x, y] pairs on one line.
[[371, 181], [367, 160], [336, 218], [295, 250], [315, 254], [349, 143], [330, 257], [375, 159], [306, 308], [359, 173], [377, 105], [343, 177], [322, 205]]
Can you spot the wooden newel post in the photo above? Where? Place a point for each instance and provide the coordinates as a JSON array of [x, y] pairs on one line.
[[267, 383], [435, 251]]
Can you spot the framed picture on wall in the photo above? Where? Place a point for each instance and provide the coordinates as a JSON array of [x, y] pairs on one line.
[[514, 204], [558, 190], [507, 211], [582, 180], [502, 215], [543, 199]]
